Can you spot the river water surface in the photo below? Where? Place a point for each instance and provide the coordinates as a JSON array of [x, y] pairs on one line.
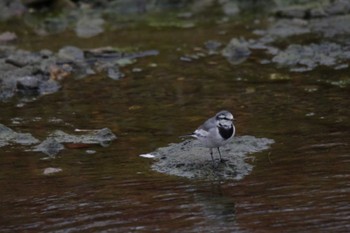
[[301, 184]]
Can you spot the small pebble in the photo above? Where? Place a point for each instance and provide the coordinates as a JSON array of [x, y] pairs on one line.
[[90, 152], [51, 170]]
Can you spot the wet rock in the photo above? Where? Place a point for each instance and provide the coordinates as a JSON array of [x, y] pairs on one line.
[[48, 87], [287, 27], [136, 70], [38, 73], [293, 12], [71, 53], [230, 8], [338, 7], [102, 137], [27, 73], [303, 58], [313, 9], [125, 62], [7, 37], [193, 57], [89, 26], [109, 60], [45, 53], [48, 26], [185, 58], [125, 7], [237, 51], [11, 8], [50, 147], [189, 159], [28, 84], [279, 77], [21, 58], [308, 9], [54, 143], [51, 170], [90, 152], [114, 73], [8, 136], [331, 26], [212, 46]]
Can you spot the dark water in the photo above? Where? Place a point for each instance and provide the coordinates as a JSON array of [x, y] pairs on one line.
[[300, 185]]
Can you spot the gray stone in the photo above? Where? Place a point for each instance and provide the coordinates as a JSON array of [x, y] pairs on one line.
[[189, 159], [49, 87], [114, 73], [237, 51], [51, 170], [11, 8], [212, 46], [50, 147], [8, 136], [89, 26], [28, 83], [303, 58], [71, 53], [102, 137], [53, 144]]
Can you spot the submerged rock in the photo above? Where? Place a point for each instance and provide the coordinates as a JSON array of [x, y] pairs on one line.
[[71, 53], [8, 136], [190, 159], [28, 84], [11, 8], [114, 73], [89, 26], [50, 147], [26, 73], [56, 140], [102, 137], [312, 9], [237, 51], [212, 46], [6, 37], [306, 57]]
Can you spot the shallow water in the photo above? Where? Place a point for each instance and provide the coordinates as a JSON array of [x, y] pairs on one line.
[[301, 184]]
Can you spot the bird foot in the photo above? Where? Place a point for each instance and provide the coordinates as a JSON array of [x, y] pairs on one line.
[[223, 160]]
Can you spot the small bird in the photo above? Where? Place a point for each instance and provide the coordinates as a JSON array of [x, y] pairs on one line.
[[216, 132]]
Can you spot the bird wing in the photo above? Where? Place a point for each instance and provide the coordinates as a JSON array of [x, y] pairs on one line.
[[204, 129]]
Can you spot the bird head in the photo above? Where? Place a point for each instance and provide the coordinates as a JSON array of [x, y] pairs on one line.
[[224, 119]]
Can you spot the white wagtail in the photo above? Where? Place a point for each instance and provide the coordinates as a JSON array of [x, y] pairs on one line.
[[216, 132]]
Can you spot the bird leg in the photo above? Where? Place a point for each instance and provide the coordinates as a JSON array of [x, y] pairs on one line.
[[220, 154], [212, 158]]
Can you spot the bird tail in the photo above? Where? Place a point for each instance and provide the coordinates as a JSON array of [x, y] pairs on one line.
[[187, 136]]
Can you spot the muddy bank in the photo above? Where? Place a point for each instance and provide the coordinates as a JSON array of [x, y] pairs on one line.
[[190, 159]]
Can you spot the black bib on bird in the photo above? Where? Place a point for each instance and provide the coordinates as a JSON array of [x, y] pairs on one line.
[[225, 133]]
